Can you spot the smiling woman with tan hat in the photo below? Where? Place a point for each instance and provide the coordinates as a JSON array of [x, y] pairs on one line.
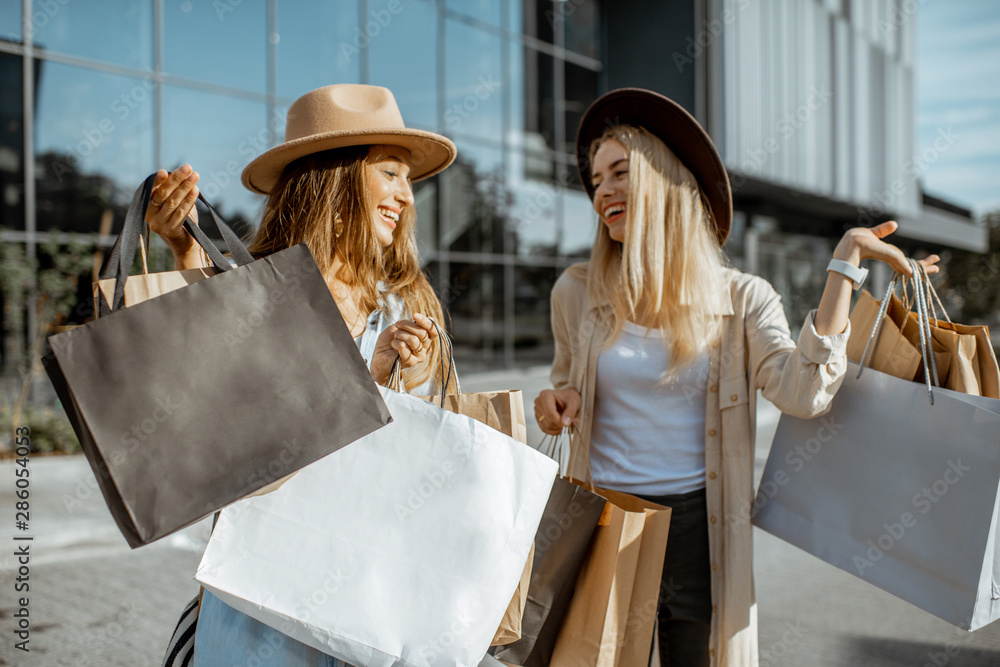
[[661, 347], [340, 182]]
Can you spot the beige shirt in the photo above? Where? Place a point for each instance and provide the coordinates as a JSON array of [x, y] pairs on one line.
[[755, 351]]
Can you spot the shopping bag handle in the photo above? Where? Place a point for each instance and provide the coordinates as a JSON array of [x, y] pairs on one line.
[[557, 448], [921, 281], [119, 262], [395, 379]]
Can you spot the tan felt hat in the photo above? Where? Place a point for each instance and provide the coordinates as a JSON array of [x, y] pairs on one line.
[[347, 114]]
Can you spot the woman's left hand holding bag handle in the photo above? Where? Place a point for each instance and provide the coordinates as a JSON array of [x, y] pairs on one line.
[[173, 201]]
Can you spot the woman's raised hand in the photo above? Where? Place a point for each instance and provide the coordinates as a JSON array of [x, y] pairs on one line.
[[556, 408], [866, 243], [173, 200], [412, 340]]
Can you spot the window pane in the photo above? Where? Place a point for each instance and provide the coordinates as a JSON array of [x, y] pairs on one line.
[[534, 217], [318, 43], [425, 199], [579, 222], [218, 42], [473, 186], [12, 143], [538, 18], [488, 11], [581, 21], [94, 144], [10, 21], [218, 142], [515, 17], [533, 342], [475, 302], [474, 82], [533, 123], [581, 90], [117, 31], [403, 58]]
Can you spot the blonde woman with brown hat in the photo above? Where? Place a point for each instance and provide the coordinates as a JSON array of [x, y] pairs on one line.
[[661, 348], [340, 183]]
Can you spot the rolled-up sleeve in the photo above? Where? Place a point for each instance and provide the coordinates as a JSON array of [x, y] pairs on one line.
[[799, 379]]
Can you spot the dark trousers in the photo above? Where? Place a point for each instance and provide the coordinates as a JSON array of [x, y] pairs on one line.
[[684, 614]]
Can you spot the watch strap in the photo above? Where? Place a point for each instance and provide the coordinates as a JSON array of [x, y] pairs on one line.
[[856, 274]]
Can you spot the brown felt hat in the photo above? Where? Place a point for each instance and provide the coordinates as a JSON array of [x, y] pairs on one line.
[[676, 128], [347, 114]]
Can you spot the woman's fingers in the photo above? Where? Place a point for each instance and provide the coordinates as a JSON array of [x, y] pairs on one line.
[[173, 199], [556, 408], [930, 263], [413, 340]]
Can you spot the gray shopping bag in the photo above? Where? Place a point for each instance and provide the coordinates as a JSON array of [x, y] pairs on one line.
[[896, 491], [191, 400]]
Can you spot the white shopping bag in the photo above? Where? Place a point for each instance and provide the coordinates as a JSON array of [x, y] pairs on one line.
[[404, 548]]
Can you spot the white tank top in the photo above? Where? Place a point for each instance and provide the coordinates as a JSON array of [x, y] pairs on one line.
[[647, 439]]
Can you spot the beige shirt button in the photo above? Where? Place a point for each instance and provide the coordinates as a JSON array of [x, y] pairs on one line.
[[713, 519], [734, 398], [711, 475], [711, 432], [715, 566], [714, 388], [711, 653]]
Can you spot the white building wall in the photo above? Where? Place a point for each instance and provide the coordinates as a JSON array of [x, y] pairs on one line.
[[819, 100]]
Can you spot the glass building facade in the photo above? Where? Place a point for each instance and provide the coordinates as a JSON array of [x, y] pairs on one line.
[[99, 93], [96, 95]]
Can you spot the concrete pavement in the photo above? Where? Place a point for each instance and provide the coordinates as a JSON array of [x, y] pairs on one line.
[[94, 601]]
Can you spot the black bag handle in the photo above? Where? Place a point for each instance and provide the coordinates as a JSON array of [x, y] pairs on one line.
[[395, 379], [119, 262]]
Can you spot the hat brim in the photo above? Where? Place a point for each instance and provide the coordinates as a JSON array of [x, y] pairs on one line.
[[429, 153], [676, 128]]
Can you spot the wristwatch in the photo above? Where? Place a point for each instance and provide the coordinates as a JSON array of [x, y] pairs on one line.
[[856, 274]]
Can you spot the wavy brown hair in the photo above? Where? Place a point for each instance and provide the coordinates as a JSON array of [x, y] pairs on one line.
[[322, 200]]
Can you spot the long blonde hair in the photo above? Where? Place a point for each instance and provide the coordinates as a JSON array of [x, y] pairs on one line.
[[669, 269], [322, 200]]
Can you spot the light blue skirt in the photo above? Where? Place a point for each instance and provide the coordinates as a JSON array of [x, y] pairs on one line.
[[226, 637]]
